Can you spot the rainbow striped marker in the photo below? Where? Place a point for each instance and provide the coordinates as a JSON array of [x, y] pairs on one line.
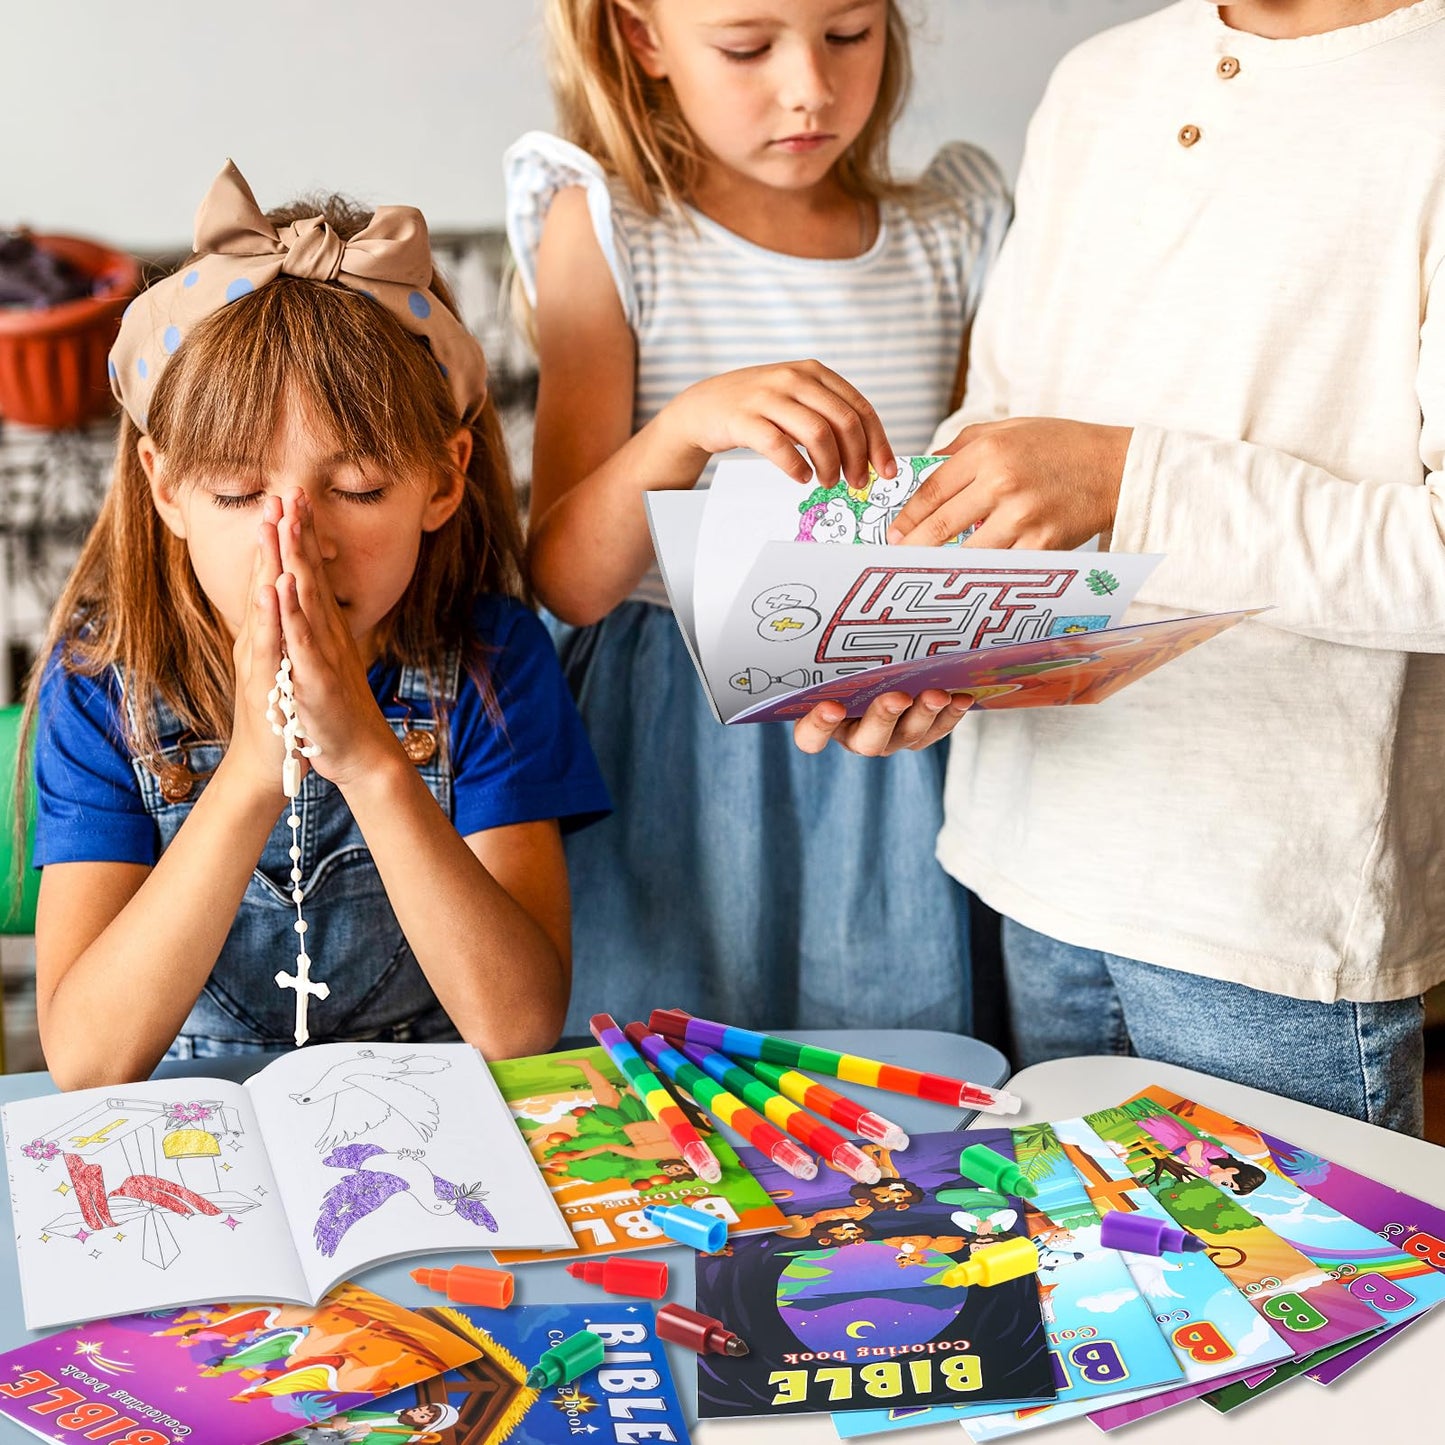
[[655, 1098], [728, 1107], [828, 1102], [841, 1153], [745, 1044]]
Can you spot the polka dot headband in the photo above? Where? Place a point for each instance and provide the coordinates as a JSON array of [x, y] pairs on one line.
[[238, 249]]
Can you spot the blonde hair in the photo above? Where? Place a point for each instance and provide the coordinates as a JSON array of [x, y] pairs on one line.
[[632, 126], [133, 601]]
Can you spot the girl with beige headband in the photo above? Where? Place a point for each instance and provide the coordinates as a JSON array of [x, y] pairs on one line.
[[308, 463]]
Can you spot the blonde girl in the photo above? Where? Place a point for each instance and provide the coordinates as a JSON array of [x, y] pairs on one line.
[[721, 203], [307, 461]]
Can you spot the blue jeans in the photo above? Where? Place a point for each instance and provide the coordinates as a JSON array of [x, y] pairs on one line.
[[1362, 1059], [740, 878]]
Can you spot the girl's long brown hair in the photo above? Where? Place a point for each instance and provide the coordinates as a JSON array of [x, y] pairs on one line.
[[133, 601]]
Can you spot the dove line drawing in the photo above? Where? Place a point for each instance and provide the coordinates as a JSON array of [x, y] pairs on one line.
[[367, 1090]]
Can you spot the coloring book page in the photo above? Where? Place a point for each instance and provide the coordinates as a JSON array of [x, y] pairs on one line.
[[787, 598], [396, 1149], [331, 1158], [141, 1197]]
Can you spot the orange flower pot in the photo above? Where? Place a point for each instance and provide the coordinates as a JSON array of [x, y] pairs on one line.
[[53, 358]]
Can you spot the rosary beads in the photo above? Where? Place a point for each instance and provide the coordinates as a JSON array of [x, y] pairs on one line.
[[281, 714]]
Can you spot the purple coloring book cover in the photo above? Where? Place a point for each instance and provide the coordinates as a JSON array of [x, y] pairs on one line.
[[228, 1374]]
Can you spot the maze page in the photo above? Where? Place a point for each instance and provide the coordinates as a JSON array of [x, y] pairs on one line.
[[807, 614]]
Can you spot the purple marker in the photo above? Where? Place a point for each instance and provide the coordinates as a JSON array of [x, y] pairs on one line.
[[1143, 1234]]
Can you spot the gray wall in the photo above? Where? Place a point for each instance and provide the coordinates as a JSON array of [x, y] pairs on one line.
[[114, 116]]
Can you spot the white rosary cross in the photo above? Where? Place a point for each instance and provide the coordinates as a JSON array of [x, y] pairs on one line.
[[281, 714]]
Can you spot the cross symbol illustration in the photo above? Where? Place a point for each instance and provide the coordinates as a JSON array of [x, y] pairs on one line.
[[99, 1136]]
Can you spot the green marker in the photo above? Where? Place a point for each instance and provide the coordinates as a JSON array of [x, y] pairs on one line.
[[990, 1169], [567, 1361]]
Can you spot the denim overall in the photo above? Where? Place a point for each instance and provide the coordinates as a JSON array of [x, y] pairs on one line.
[[378, 990]]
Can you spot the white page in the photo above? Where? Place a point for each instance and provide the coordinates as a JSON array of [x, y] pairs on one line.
[[424, 1156], [674, 518], [750, 502], [807, 614], [152, 1139]]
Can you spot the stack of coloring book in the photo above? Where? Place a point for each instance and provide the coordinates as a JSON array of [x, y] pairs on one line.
[[1308, 1269]]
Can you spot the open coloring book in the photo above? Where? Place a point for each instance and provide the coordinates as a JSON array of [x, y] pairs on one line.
[[329, 1159], [777, 624]]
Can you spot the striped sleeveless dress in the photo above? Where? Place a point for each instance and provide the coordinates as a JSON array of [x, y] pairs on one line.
[[737, 876]]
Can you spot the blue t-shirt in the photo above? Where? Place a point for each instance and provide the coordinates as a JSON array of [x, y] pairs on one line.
[[535, 764]]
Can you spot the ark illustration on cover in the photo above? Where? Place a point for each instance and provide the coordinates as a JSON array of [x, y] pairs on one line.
[[844, 1308]]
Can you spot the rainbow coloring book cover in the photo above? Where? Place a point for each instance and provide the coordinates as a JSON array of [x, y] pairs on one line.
[[843, 1309], [1212, 1329], [225, 1374], [605, 1158], [1399, 1285], [788, 596], [628, 1400], [1208, 1192]]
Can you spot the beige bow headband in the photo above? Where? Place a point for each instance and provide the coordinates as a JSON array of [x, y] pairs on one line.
[[238, 249]]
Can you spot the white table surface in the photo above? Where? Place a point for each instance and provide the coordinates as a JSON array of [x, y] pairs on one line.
[[1391, 1399]]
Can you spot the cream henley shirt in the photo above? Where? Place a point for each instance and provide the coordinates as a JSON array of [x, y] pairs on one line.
[[1235, 246]]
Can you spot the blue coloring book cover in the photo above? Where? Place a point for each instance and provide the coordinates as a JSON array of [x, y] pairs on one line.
[[629, 1397], [1215, 1333]]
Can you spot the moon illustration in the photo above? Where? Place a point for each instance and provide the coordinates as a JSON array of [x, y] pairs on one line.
[[855, 1330]]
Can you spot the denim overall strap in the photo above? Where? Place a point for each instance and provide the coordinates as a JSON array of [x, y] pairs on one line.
[[378, 990]]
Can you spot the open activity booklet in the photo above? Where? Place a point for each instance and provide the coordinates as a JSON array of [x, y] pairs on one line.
[[329, 1159], [776, 624]]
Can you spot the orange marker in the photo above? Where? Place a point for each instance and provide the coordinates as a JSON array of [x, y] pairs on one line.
[[467, 1284]]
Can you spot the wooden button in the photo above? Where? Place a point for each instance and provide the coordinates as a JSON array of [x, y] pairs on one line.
[[176, 782], [419, 745], [1227, 68], [1188, 134]]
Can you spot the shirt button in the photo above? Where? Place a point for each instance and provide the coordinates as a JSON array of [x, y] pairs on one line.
[[1188, 134], [1227, 68]]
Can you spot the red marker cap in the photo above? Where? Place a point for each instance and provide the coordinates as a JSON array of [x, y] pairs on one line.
[[645, 1278]]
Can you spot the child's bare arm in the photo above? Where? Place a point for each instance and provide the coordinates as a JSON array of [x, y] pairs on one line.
[[122, 951], [586, 546], [589, 542], [487, 916]]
